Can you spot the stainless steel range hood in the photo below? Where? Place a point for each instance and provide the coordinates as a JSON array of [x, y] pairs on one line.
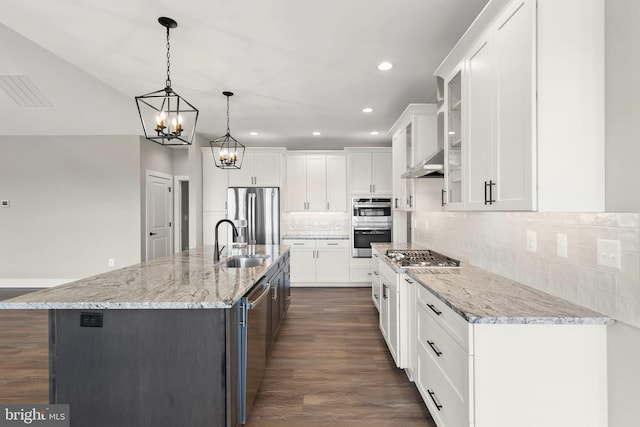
[[431, 167]]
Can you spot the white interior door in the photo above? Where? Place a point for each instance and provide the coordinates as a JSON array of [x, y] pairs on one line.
[[159, 214]]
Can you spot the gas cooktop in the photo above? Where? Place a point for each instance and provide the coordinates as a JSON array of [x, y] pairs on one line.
[[425, 258]]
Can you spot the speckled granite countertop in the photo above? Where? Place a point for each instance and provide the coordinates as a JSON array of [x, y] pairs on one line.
[[480, 296], [188, 279], [316, 236]]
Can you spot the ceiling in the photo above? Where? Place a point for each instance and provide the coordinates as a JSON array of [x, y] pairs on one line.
[[295, 66]]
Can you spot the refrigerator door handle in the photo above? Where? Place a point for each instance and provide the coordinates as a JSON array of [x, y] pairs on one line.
[[252, 219]]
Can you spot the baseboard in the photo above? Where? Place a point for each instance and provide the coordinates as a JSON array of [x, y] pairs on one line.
[[332, 285], [32, 283]]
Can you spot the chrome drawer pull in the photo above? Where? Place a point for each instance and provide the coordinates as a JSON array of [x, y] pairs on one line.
[[433, 398], [434, 348], [434, 309]]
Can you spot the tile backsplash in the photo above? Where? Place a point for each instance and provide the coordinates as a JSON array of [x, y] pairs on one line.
[[497, 241], [316, 223]]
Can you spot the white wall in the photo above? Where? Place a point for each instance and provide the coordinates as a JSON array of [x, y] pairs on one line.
[[157, 158], [622, 101], [75, 203], [195, 190]]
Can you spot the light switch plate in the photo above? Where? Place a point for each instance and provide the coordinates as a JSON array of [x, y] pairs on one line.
[[608, 253], [111, 262], [532, 241], [563, 243]]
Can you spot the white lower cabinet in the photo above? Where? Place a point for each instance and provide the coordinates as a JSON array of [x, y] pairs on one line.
[[390, 310], [376, 287], [318, 261], [508, 374]]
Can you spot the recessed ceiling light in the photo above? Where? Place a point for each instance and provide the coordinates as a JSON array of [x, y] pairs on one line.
[[253, 133], [367, 110], [316, 133], [385, 66], [375, 132]]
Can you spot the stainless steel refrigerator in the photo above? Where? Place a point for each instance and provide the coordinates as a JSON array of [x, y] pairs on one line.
[[255, 211]]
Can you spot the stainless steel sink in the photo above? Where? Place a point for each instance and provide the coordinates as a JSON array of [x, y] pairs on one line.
[[243, 261]]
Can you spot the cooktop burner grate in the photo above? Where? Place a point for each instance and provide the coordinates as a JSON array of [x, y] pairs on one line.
[[425, 258]]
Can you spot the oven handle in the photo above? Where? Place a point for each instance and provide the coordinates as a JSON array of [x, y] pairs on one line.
[[369, 232]]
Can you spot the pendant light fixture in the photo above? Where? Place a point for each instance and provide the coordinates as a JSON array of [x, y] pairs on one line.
[[167, 118], [228, 153]]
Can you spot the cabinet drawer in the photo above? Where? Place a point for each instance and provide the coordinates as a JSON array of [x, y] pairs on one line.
[[300, 243], [332, 244], [445, 405], [452, 359], [450, 321]]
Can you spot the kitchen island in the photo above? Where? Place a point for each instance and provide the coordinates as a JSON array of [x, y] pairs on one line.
[[158, 343], [486, 351]]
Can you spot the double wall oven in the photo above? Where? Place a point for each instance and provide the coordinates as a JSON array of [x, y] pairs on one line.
[[371, 223]]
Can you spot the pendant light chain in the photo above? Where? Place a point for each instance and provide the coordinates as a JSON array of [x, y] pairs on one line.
[[168, 60], [228, 115]]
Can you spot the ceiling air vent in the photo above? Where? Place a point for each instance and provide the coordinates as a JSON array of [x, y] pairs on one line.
[[23, 91]]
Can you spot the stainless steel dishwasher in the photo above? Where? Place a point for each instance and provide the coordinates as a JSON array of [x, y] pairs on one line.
[[253, 344]]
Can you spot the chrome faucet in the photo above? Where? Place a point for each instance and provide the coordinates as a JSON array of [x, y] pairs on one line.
[[216, 251]]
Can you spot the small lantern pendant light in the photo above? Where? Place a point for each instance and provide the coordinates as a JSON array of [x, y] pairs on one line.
[[228, 153], [167, 118]]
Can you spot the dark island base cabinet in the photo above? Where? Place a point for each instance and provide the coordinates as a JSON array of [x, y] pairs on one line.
[[280, 284], [152, 367]]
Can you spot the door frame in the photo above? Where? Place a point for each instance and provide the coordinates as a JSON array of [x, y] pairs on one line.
[[148, 174], [177, 212]]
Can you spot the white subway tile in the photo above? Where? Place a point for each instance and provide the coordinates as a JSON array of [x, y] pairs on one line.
[[627, 220], [606, 282], [606, 303], [628, 311], [628, 287]]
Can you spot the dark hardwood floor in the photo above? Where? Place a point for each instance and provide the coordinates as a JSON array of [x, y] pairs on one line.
[[24, 354], [329, 367]]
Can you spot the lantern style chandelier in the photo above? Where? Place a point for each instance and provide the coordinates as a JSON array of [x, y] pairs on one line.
[[228, 153], [167, 118]]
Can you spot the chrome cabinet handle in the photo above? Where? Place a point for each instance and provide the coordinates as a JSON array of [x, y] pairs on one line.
[[384, 291], [408, 280]]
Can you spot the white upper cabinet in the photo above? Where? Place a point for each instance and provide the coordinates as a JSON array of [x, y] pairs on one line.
[[370, 171], [452, 130], [260, 168], [359, 170], [531, 108], [480, 103], [398, 148], [316, 178], [316, 182], [413, 139], [336, 183]]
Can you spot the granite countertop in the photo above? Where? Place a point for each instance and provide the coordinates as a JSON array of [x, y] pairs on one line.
[[185, 280], [316, 236], [480, 296]]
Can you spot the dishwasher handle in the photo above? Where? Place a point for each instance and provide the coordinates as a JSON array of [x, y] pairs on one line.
[[252, 303]]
